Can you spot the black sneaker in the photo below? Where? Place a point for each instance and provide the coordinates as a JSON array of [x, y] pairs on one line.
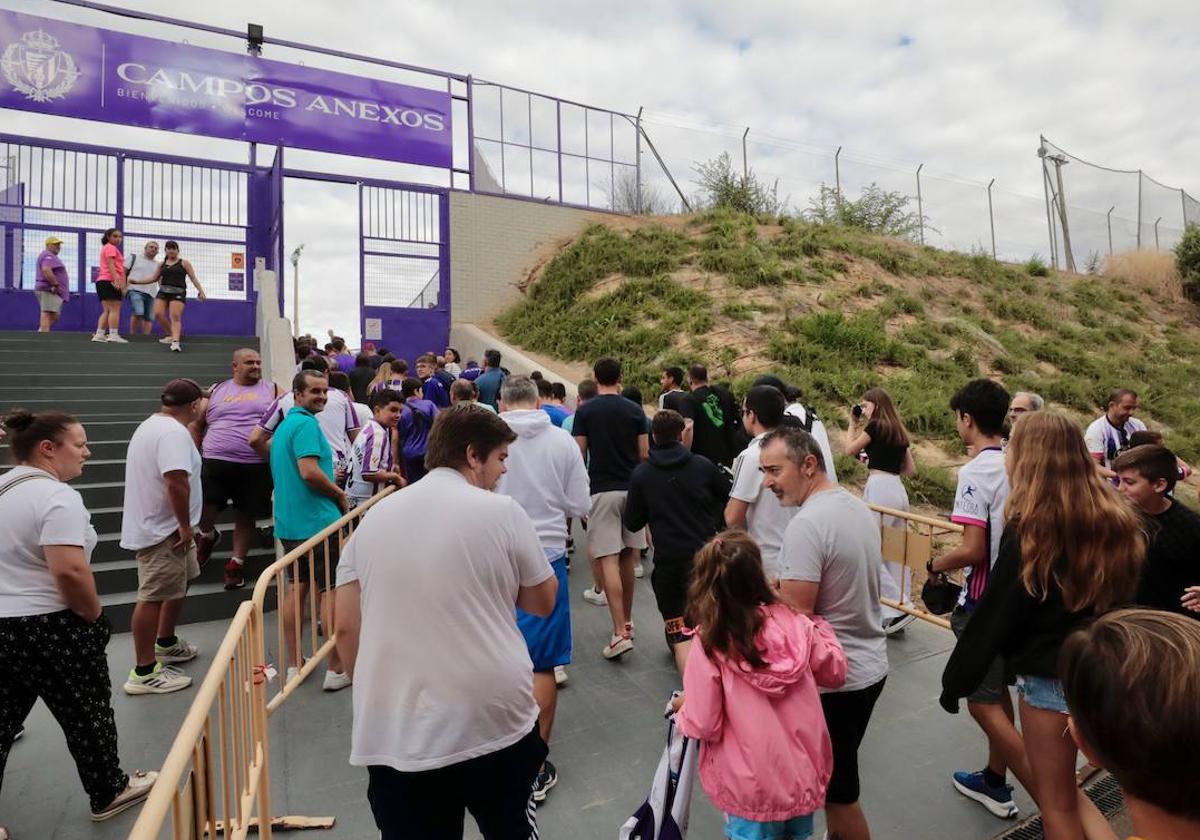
[[547, 778]]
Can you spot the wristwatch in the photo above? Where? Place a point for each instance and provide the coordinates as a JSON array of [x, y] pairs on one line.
[[929, 566]]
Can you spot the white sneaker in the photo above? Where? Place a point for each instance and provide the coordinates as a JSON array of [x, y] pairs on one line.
[[293, 671], [639, 571], [162, 680], [181, 651], [617, 647], [560, 675], [175, 347], [140, 783], [166, 339], [592, 596], [335, 681], [99, 337], [116, 339], [896, 625]]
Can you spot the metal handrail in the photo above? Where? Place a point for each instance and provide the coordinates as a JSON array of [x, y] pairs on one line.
[[933, 526]]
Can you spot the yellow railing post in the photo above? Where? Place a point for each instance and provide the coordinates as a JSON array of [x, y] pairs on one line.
[[912, 549]]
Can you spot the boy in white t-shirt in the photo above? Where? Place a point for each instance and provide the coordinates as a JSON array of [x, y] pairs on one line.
[[980, 408], [752, 507]]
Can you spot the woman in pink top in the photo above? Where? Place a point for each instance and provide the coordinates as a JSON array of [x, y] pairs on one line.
[[750, 695], [110, 286]]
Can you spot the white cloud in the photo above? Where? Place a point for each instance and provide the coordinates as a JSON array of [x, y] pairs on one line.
[[977, 82]]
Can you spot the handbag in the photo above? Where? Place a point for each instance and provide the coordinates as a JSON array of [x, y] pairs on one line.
[[940, 593], [664, 814]]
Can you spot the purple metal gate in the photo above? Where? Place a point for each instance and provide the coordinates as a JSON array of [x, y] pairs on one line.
[[404, 267], [214, 210]]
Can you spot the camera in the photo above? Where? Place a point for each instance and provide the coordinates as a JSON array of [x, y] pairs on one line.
[[857, 411]]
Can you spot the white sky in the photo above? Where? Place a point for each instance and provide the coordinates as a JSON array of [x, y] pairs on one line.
[[964, 88]]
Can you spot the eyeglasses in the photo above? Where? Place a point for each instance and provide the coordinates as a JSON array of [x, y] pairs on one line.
[[1017, 410]]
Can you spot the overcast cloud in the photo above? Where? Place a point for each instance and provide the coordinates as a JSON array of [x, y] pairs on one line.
[[964, 88]]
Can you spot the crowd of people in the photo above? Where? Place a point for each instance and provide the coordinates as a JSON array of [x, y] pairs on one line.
[[1079, 581], [159, 298]]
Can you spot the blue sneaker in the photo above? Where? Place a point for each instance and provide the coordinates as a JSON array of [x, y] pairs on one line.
[[998, 800]]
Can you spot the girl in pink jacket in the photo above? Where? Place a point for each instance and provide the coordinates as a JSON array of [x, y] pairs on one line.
[[750, 695]]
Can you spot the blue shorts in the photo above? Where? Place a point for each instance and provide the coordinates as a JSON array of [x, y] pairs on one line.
[[549, 638], [1042, 693], [141, 304], [797, 828]]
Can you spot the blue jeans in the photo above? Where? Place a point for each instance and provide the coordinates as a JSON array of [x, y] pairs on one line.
[[1042, 693], [141, 304]]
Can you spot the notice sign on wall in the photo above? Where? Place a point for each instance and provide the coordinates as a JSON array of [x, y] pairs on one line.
[[70, 70], [237, 260], [237, 281], [373, 329]]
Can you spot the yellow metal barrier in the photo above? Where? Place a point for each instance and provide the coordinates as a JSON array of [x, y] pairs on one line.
[[216, 776], [912, 548]]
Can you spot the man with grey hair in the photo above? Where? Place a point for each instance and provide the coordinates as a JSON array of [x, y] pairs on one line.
[[1024, 402], [830, 561], [547, 477]]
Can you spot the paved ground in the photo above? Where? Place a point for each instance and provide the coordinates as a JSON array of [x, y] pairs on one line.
[[606, 743]]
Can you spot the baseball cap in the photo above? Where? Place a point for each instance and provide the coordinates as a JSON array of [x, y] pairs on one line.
[[181, 392], [52, 240]]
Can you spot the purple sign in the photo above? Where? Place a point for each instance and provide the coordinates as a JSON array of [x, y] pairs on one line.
[[53, 67], [237, 281]]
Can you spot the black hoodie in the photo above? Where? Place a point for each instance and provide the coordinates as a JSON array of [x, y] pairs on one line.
[[681, 496]]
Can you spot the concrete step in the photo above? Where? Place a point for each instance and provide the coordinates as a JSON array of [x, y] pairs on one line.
[[95, 470], [70, 339], [107, 520], [142, 404], [114, 577], [15, 384], [106, 494], [205, 602]]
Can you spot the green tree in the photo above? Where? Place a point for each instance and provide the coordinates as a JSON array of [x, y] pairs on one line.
[[722, 186], [875, 210], [1187, 260]]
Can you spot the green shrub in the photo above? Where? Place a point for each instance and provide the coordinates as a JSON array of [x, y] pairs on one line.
[[722, 186], [1035, 266], [876, 210], [1187, 261], [934, 486]]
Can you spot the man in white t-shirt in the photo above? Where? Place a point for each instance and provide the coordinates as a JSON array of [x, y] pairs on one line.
[[140, 273], [339, 421], [163, 503], [980, 408], [831, 559], [1108, 435], [425, 640], [752, 507], [805, 416]]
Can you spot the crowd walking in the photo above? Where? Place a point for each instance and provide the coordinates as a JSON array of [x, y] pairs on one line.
[[1079, 583]]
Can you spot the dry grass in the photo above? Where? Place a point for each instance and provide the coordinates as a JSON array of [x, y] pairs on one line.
[[1151, 271]]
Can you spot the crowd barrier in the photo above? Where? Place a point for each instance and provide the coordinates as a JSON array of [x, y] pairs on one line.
[[216, 778]]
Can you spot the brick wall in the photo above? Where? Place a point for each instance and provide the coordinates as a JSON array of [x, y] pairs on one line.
[[495, 242]]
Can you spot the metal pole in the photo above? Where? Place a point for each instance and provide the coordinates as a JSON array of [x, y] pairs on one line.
[[991, 217], [745, 164], [1139, 218], [837, 173], [1156, 221], [1062, 212], [471, 136], [920, 206], [1049, 216], [558, 129], [1108, 218], [637, 138], [296, 296], [1183, 201], [650, 143]]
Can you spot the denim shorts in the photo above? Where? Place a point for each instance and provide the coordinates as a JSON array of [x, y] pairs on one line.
[[141, 304], [1042, 693]]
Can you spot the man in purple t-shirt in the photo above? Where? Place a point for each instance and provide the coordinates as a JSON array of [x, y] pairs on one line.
[[343, 357], [415, 421], [234, 474], [52, 285]]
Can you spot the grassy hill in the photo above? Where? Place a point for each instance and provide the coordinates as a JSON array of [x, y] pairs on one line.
[[836, 311]]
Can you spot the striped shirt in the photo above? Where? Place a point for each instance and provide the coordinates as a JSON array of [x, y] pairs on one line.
[[371, 453], [338, 420]]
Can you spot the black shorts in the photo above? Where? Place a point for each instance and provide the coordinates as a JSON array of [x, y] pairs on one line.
[[299, 572], [431, 804], [244, 487], [170, 293], [105, 290], [847, 714], [670, 580]]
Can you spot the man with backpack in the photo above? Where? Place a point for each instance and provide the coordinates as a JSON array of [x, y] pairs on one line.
[[716, 433]]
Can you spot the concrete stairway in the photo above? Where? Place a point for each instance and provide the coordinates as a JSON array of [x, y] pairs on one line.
[[112, 388]]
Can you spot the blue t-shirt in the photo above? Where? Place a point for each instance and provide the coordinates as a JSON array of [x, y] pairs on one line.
[[557, 413], [489, 383], [300, 511], [416, 419]]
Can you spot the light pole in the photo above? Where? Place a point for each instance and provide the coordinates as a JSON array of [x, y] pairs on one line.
[[296, 289]]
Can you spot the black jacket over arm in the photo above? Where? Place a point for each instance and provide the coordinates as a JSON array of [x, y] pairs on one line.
[[1028, 631]]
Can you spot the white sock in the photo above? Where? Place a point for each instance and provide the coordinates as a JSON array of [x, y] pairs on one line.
[[112, 332], [238, 560]]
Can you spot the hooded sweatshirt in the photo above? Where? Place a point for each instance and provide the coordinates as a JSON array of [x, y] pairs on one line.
[[766, 753], [545, 475], [680, 495]]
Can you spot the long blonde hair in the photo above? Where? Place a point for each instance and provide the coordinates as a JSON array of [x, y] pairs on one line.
[[886, 419], [1076, 532]]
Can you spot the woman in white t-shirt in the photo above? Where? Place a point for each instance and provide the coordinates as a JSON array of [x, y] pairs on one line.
[[52, 630]]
